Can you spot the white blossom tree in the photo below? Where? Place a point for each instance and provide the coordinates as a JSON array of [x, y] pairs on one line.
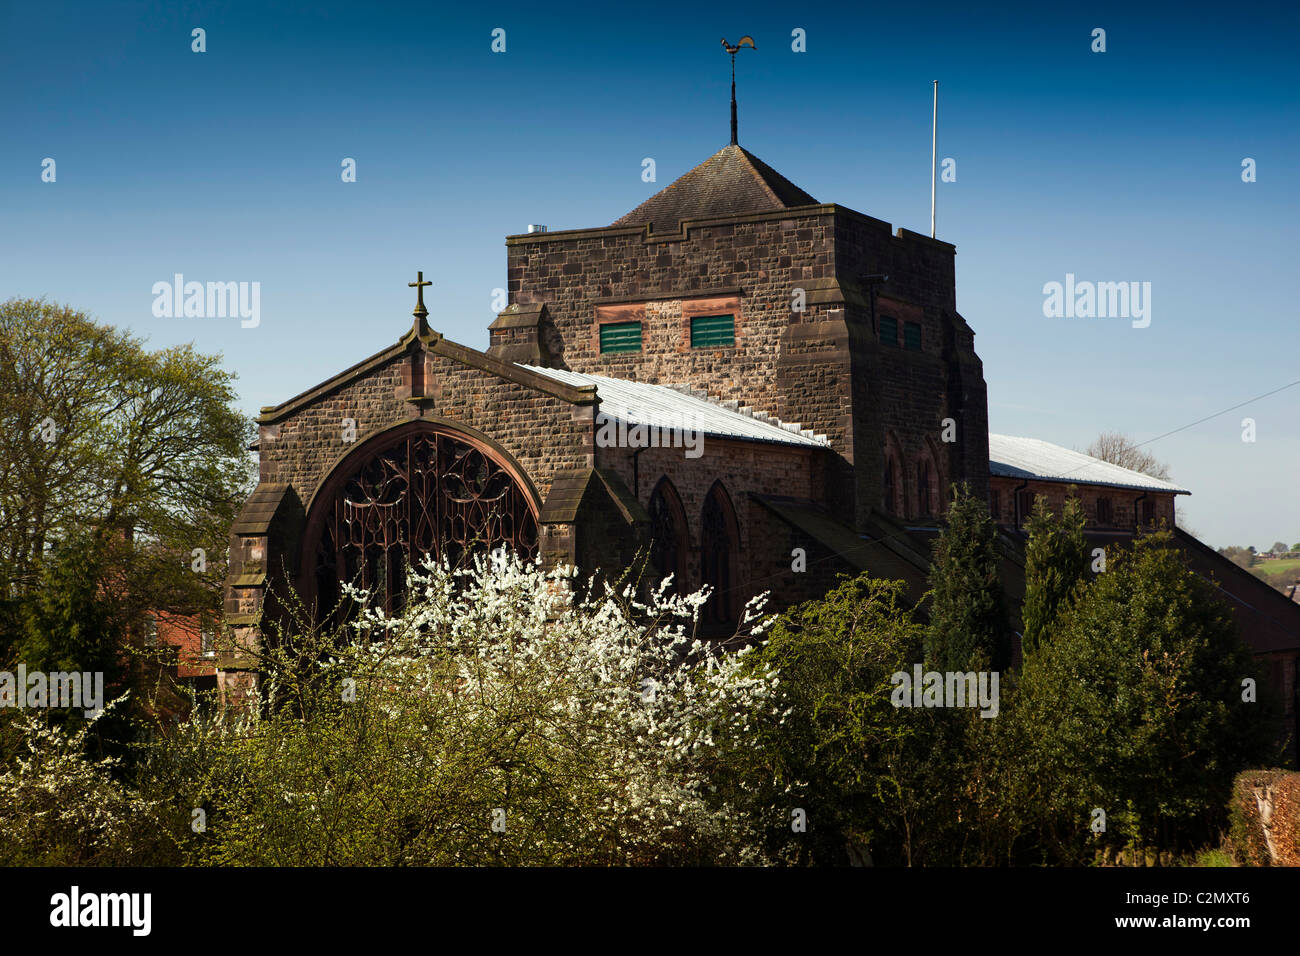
[[496, 719], [60, 808]]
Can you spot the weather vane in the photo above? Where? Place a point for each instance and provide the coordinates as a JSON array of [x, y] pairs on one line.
[[733, 50]]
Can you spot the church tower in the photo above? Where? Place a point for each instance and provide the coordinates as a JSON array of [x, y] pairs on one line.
[[735, 281]]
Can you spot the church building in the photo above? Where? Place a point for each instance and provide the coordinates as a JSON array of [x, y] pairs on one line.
[[758, 390], [800, 370]]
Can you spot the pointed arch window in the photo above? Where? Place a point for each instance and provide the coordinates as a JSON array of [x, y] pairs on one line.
[[419, 490], [719, 557], [924, 475], [892, 485], [929, 482], [669, 536]]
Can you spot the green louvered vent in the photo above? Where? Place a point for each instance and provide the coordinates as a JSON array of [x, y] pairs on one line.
[[713, 331], [620, 337], [888, 330], [912, 336]]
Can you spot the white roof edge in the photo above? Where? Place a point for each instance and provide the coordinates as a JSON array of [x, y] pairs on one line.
[[671, 405], [1034, 458]]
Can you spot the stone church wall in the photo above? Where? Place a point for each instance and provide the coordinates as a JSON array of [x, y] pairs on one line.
[[904, 395], [742, 467], [758, 258], [1125, 509]]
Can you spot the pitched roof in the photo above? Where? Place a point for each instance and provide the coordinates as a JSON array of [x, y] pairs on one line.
[[731, 181], [1012, 457], [667, 406], [885, 549], [421, 336], [570, 488], [260, 509]]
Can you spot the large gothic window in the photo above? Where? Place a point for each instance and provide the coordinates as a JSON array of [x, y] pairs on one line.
[[668, 534], [421, 490], [719, 555]]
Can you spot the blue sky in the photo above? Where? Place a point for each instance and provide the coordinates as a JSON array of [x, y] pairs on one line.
[[1115, 166]]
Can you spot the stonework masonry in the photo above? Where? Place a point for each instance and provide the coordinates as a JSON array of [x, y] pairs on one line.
[[822, 365], [1010, 500]]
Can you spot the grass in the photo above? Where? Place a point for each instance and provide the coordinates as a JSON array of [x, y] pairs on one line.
[[1279, 573], [1214, 857]]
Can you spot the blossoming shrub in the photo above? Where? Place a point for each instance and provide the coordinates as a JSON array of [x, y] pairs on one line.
[[497, 719], [59, 808]]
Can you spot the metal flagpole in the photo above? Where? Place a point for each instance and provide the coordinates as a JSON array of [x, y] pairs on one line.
[[934, 139]]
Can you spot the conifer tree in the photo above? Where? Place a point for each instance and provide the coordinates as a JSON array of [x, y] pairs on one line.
[[1136, 702], [1056, 559], [968, 622]]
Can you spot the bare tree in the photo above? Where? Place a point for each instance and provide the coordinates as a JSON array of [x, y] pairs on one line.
[[1117, 449]]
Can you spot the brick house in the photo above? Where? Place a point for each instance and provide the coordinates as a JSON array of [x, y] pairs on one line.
[[193, 639], [818, 353]]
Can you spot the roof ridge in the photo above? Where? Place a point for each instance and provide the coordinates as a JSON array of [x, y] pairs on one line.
[[766, 174], [753, 162]]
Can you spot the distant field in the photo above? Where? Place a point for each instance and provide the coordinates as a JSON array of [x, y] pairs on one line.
[[1278, 573]]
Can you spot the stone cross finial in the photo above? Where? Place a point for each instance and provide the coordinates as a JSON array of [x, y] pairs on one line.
[[419, 284]]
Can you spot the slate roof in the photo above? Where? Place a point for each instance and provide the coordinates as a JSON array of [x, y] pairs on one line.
[[730, 182], [886, 549], [570, 487], [1012, 457], [668, 406]]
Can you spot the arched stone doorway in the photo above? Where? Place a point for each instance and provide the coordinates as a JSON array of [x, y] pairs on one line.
[[415, 490]]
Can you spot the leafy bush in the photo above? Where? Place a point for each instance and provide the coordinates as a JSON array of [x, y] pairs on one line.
[[968, 620], [1056, 560], [834, 747], [507, 715]]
